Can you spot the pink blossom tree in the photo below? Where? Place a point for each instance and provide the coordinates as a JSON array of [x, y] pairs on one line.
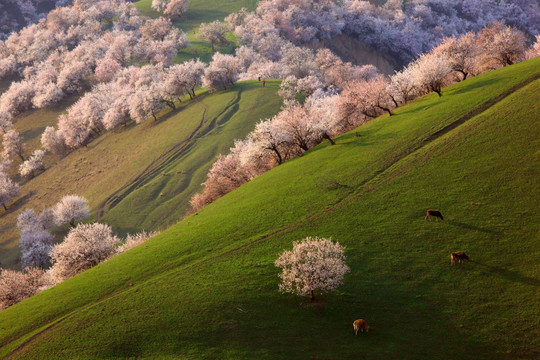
[[15, 286], [13, 145], [33, 164], [146, 102], [53, 140], [106, 69], [314, 264], [214, 33], [5, 122], [17, 98], [222, 72], [462, 53], [502, 45], [176, 7], [8, 190], [133, 240]]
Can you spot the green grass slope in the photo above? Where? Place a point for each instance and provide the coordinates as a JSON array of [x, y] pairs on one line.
[[141, 177], [207, 287]]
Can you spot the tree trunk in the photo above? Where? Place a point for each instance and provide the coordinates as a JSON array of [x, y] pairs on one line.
[[4, 205], [327, 137], [280, 159], [312, 295], [394, 101], [386, 109]]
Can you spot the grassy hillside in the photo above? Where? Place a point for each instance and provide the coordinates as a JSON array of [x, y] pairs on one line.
[[144, 175], [207, 287]]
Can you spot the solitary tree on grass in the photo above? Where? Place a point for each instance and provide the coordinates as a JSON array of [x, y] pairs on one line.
[[313, 264], [71, 209]]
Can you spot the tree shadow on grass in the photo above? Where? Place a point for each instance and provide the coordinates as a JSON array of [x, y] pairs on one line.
[[510, 275], [18, 204], [472, 227]]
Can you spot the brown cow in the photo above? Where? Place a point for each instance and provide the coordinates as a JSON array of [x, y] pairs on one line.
[[460, 256], [432, 212], [361, 325]]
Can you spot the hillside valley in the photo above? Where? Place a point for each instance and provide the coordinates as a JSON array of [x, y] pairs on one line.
[[207, 286]]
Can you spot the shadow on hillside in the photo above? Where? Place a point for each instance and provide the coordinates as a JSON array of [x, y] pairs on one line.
[[18, 204], [472, 227], [476, 85], [510, 275]]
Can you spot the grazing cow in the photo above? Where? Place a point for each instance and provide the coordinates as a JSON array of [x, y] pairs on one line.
[[459, 256], [435, 213], [361, 325]]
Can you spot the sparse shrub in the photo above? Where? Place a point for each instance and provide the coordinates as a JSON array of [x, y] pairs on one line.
[[134, 240], [314, 264]]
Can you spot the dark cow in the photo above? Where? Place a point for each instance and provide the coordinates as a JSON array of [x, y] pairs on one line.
[[435, 213], [458, 256]]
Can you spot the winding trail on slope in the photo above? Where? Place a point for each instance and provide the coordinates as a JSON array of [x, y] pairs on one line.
[[357, 194], [151, 169]]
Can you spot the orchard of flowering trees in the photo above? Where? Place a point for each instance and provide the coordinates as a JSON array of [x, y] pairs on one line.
[[63, 53], [45, 263], [341, 96]]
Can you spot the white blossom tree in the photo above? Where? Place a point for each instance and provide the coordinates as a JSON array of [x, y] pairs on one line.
[[35, 246], [314, 264], [430, 72], [133, 240], [159, 5], [71, 209], [84, 247]]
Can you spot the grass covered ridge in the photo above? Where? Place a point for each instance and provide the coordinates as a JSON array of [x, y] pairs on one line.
[[207, 287]]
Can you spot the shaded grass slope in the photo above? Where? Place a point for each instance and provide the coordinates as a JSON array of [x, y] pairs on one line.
[[207, 287], [148, 172]]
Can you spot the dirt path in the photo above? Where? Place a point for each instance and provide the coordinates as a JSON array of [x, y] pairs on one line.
[[151, 169]]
